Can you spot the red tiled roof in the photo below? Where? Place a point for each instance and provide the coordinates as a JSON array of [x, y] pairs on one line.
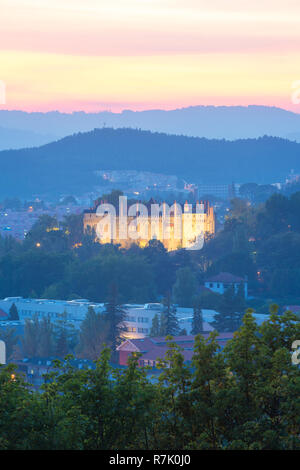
[[154, 348], [226, 278], [293, 308], [159, 353], [144, 344], [183, 338], [3, 314]]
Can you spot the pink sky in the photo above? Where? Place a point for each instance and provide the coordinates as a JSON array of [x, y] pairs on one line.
[[140, 54]]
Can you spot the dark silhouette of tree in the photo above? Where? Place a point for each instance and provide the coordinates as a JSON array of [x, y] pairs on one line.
[[13, 313], [46, 338], [30, 340], [65, 336], [93, 334], [230, 310], [115, 317], [185, 287], [197, 322], [155, 327], [168, 320]]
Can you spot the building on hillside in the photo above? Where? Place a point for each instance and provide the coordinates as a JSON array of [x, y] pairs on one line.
[[222, 281], [182, 227], [221, 191], [153, 349]]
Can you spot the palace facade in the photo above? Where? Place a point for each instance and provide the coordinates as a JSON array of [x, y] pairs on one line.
[[180, 226]]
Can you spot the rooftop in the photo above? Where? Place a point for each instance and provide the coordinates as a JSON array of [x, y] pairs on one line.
[[226, 278], [157, 347]]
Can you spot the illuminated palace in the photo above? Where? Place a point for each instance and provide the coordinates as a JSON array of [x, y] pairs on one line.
[[180, 226]]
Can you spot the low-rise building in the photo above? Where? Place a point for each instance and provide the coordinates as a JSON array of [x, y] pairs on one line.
[[53, 309], [153, 349], [137, 321], [222, 281]]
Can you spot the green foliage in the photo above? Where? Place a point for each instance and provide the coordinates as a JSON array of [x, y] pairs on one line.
[[8, 335], [185, 287], [114, 316], [230, 310], [58, 260], [168, 320], [65, 336], [93, 334], [44, 338], [244, 397], [155, 327]]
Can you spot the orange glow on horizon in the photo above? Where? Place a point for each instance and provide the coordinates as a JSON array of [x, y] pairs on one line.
[[142, 54]]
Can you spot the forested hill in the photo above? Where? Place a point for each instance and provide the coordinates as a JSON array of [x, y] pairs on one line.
[[68, 164]]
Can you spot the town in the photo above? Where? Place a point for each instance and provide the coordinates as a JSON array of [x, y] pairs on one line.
[[149, 230]]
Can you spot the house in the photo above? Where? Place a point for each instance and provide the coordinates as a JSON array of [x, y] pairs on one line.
[[222, 281], [152, 349]]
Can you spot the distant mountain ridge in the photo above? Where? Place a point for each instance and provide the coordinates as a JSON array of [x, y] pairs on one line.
[[69, 165], [18, 138], [213, 122]]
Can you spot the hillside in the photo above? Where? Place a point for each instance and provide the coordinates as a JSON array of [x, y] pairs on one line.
[[212, 122], [17, 139], [68, 165]]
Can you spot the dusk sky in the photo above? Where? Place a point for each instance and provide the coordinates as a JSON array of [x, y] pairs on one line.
[[94, 55]]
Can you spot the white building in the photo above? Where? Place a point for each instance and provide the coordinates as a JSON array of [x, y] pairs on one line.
[[53, 309], [222, 281], [138, 318]]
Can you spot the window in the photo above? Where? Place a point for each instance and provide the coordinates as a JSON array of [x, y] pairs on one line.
[[143, 330], [129, 318], [143, 320], [131, 329]]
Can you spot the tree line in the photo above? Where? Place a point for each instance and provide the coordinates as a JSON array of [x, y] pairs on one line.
[[243, 397], [59, 261]]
